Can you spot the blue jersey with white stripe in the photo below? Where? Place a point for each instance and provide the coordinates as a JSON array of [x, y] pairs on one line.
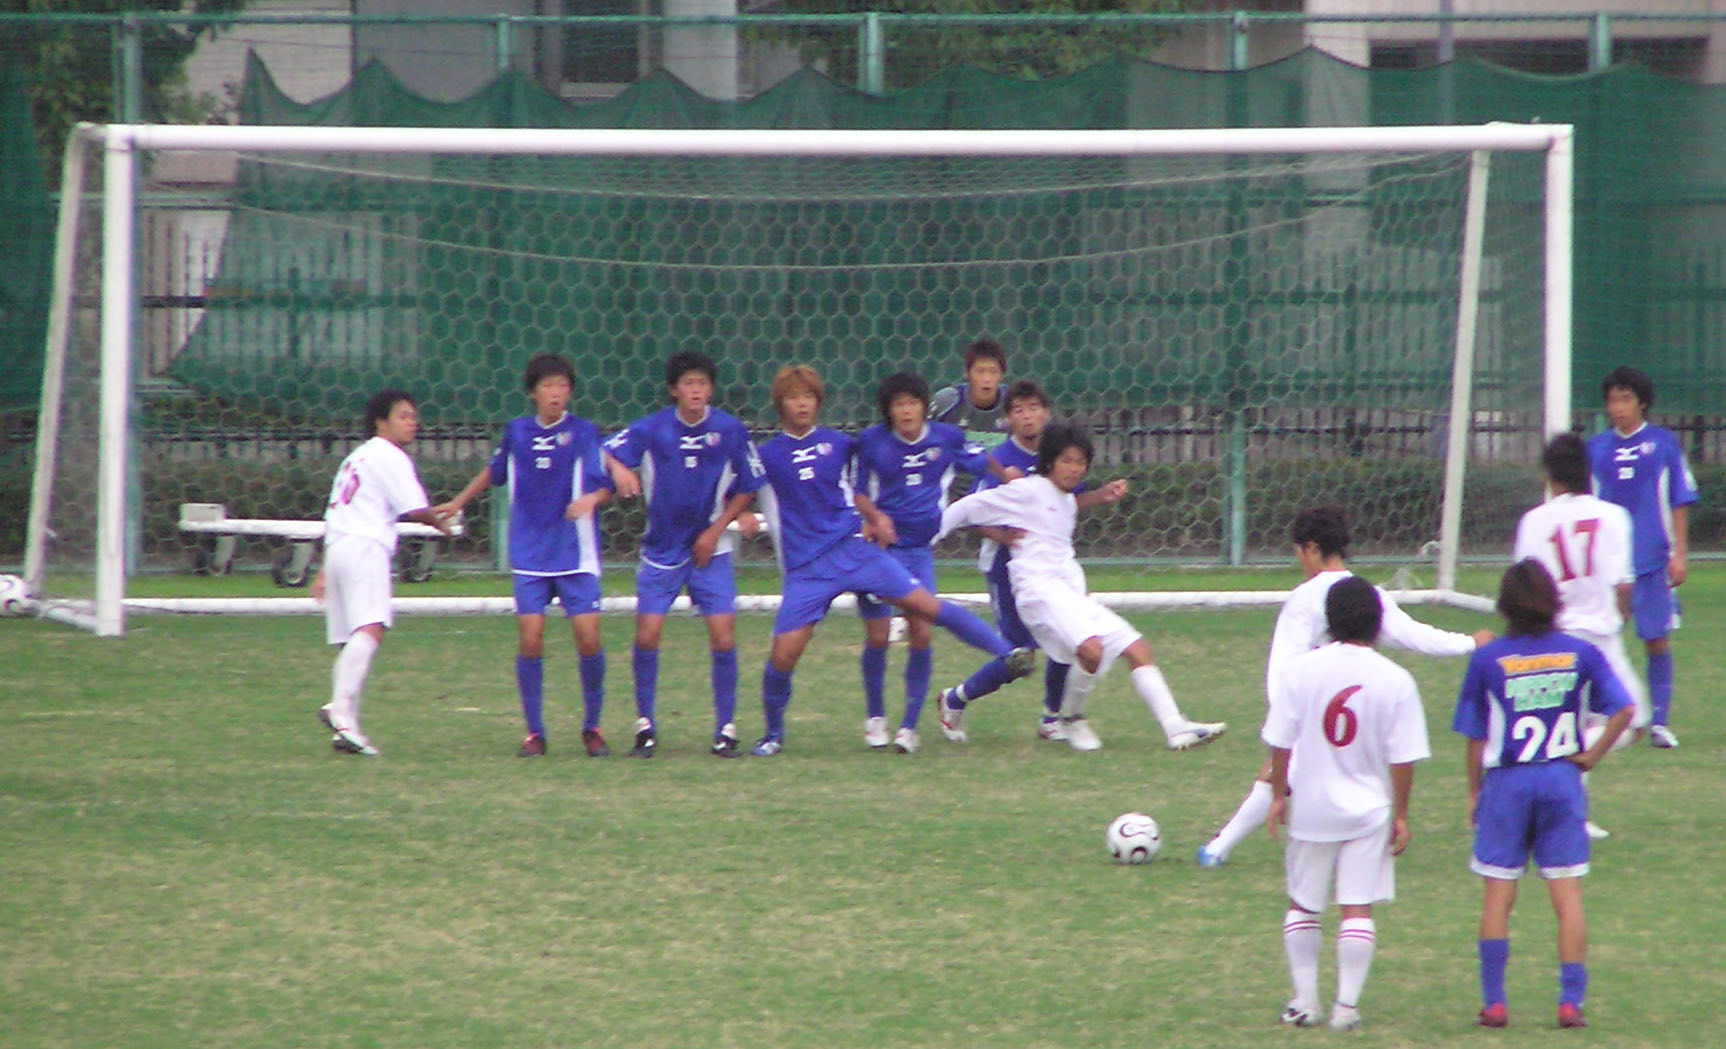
[[908, 480], [1526, 697], [546, 468], [688, 472], [1646, 473], [809, 493]]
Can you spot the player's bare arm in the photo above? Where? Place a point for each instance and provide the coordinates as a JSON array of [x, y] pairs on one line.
[[429, 516], [1615, 727], [587, 504], [480, 483], [1678, 566], [1103, 495], [1279, 780], [628, 482], [877, 526], [1402, 787], [708, 541], [1476, 771]]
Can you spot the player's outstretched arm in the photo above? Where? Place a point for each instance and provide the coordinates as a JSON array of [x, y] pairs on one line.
[[430, 515], [1401, 630], [1101, 496], [481, 481]]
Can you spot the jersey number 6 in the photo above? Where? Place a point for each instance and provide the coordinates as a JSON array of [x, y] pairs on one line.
[[1340, 722]]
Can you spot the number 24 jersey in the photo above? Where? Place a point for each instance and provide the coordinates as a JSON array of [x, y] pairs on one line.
[[1525, 697]]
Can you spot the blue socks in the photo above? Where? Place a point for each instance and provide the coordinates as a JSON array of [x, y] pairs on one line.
[[919, 668], [1572, 983], [874, 681], [973, 631], [592, 689], [724, 679], [530, 682], [988, 678], [645, 663], [1494, 957], [775, 697], [1054, 686], [1660, 685]]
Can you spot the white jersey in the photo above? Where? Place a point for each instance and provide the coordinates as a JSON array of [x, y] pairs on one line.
[[1585, 543], [1301, 627], [1347, 713], [1039, 509], [374, 486]]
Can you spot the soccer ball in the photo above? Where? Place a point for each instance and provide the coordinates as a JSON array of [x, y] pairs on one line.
[[1133, 838], [14, 596]]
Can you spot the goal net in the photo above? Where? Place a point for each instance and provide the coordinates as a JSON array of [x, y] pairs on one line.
[[1248, 321]]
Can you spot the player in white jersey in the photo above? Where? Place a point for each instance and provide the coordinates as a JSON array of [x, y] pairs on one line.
[[374, 488], [1069, 624], [1584, 542], [1355, 722], [1321, 537]]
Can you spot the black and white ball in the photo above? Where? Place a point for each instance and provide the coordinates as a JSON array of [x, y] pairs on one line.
[[14, 596], [1134, 838]]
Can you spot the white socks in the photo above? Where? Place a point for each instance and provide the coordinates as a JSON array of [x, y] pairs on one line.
[[1077, 693], [1302, 938], [1149, 684], [1355, 942], [1255, 807], [348, 679]]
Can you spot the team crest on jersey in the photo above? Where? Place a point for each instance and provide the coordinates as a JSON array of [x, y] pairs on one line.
[[564, 438], [712, 438], [824, 448], [1647, 447]]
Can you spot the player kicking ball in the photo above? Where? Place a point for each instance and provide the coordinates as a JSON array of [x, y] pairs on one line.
[[1521, 708], [374, 488], [1069, 624], [823, 532]]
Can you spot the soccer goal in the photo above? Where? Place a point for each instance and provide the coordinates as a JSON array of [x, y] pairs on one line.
[[1249, 320]]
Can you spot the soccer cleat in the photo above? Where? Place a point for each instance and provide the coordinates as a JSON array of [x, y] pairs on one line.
[[725, 742], [1207, 858], [594, 741], [1020, 662], [952, 718], [1494, 1015], [1052, 730], [1570, 1015], [1197, 734], [1302, 1015], [1595, 831], [1080, 734], [766, 747], [1345, 1018], [645, 739], [1661, 738], [327, 716], [351, 741], [875, 733], [905, 741], [532, 747]]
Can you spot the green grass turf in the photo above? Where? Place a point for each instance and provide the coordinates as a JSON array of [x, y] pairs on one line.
[[187, 864]]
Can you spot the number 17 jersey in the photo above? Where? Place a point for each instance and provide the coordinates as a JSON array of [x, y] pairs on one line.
[[1525, 697]]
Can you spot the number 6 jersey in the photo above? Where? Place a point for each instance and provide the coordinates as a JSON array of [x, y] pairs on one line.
[[1526, 697]]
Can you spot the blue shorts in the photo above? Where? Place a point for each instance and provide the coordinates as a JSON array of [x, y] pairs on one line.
[[577, 592], [848, 566], [919, 561], [1532, 810], [1006, 607], [1655, 606], [713, 589]]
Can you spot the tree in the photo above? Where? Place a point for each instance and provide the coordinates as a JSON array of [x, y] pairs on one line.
[[1034, 52], [72, 66]]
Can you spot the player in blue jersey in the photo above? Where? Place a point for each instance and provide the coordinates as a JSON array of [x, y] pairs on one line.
[[977, 405], [557, 477], [905, 465], [1521, 709], [1028, 412], [1641, 467], [822, 530], [698, 472]]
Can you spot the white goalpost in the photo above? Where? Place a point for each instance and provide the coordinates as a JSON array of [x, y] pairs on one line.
[[1151, 331]]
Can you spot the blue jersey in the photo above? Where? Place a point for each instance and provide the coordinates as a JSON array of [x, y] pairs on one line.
[[546, 468], [808, 501], [1526, 696], [908, 480], [1645, 473], [687, 475], [1009, 454]]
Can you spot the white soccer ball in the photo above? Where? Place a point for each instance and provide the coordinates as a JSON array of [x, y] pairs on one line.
[[14, 596], [1134, 838]]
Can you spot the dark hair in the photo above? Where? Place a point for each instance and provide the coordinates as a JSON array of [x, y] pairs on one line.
[[1026, 390], [379, 405], [683, 362], [1325, 525], [898, 385], [985, 350], [1528, 598], [1635, 380], [1565, 460], [544, 365], [1057, 438], [1352, 610]]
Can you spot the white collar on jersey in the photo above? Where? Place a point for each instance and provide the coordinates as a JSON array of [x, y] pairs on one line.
[[921, 434], [1622, 436], [554, 424], [706, 410]]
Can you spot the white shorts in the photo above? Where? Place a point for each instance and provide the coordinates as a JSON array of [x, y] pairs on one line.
[[1062, 619], [1612, 647], [1362, 870], [356, 587]]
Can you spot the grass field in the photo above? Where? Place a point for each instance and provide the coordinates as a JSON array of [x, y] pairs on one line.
[[187, 864]]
